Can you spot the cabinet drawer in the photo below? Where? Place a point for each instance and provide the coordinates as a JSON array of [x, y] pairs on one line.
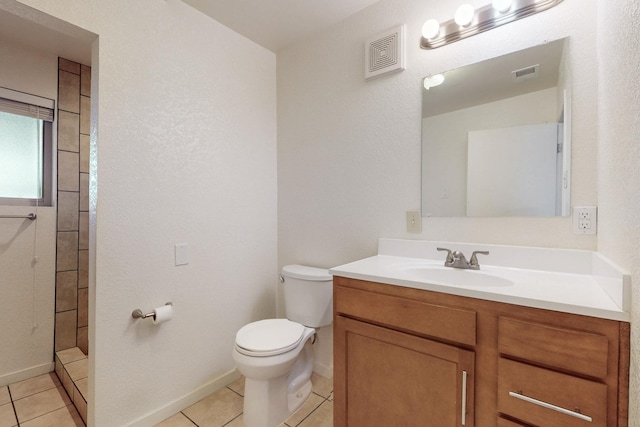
[[565, 349], [450, 324], [543, 397], [503, 422]]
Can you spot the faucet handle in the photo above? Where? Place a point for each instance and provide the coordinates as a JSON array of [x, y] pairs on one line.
[[474, 259], [449, 259]]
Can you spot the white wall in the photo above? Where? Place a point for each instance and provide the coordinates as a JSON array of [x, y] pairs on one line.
[[27, 350], [619, 157], [349, 149], [184, 141]]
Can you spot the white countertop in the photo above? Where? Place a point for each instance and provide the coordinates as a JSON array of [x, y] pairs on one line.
[[583, 283]]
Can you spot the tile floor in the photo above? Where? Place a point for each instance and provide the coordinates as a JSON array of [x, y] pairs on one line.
[[43, 402], [224, 408], [37, 402]]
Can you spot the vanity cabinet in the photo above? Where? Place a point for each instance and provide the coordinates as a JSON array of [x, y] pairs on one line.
[[395, 378], [411, 357], [548, 372], [390, 372]]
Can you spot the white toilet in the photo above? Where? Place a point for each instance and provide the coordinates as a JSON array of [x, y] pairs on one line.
[[276, 355]]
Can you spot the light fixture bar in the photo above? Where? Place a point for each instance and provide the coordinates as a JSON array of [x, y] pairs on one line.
[[487, 18]]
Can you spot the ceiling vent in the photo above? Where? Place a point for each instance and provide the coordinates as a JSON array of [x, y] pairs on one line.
[[385, 53], [526, 73]]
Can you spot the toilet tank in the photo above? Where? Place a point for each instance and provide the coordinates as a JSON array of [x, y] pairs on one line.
[[308, 295]]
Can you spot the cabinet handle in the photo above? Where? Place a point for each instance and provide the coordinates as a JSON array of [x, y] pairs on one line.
[[550, 406], [464, 398]]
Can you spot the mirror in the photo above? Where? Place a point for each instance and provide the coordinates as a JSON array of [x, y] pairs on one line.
[[496, 136]]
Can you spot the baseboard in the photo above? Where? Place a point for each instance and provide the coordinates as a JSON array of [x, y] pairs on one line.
[[323, 370], [178, 405], [25, 374]]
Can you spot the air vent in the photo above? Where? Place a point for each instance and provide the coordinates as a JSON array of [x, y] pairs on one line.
[[526, 73], [384, 53]]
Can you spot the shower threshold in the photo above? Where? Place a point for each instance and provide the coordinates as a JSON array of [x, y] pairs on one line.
[[72, 370]]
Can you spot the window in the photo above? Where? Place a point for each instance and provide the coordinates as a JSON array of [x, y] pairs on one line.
[[26, 135]]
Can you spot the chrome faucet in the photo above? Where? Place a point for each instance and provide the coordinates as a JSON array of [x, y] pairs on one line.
[[456, 259]]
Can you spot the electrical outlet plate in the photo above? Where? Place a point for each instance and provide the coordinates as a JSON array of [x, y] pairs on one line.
[[181, 254], [414, 221], [585, 220]]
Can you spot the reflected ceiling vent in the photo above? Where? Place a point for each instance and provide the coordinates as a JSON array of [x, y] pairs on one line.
[[526, 73], [385, 53]]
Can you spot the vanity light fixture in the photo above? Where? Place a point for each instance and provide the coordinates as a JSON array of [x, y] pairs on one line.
[[502, 6], [464, 15], [433, 81], [468, 21], [431, 29]]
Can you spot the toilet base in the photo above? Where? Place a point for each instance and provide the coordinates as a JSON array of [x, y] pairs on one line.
[[296, 400], [280, 405]]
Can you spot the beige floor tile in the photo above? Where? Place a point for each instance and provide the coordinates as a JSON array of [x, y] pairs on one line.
[[308, 407], [238, 386], [34, 385], [321, 417], [41, 403], [70, 355], [237, 422], [321, 385], [67, 382], [83, 387], [178, 420], [216, 409], [7, 416], [4, 395], [78, 370], [80, 403], [63, 417]]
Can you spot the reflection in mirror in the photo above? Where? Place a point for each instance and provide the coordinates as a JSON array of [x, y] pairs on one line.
[[496, 136]]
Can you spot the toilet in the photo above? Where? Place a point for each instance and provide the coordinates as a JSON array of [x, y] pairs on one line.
[[276, 355]]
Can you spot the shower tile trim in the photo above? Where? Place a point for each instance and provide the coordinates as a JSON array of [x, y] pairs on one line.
[[73, 374]]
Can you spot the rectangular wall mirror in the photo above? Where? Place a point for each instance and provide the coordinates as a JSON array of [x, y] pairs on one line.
[[496, 136]]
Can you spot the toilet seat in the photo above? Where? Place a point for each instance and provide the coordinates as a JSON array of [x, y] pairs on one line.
[[269, 337]]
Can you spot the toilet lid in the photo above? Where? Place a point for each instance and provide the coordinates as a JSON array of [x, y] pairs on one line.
[[269, 337]]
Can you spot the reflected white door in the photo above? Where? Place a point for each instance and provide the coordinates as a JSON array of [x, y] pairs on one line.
[[512, 171]]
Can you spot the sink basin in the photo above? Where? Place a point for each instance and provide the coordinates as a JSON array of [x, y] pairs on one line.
[[453, 276]]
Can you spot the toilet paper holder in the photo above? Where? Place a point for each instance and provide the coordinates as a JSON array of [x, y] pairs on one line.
[[138, 314]]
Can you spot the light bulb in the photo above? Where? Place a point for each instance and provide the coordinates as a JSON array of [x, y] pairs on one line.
[[464, 15], [431, 29], [433, 81], [502, 6]]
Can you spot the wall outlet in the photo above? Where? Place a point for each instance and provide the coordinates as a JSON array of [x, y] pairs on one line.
[[414, 221], [585, 220]]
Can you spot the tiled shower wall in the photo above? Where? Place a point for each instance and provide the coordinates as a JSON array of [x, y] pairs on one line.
[[72, 260]]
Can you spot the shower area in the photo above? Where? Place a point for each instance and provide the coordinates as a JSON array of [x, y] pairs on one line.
[[44, 261], [71, 340]]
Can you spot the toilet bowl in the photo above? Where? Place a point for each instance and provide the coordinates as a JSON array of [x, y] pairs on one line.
[[276, 355]]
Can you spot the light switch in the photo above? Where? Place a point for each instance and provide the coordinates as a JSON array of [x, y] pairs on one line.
[[182, 254]]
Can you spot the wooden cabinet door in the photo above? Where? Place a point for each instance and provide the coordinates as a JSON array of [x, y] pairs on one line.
[[388, 378]]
